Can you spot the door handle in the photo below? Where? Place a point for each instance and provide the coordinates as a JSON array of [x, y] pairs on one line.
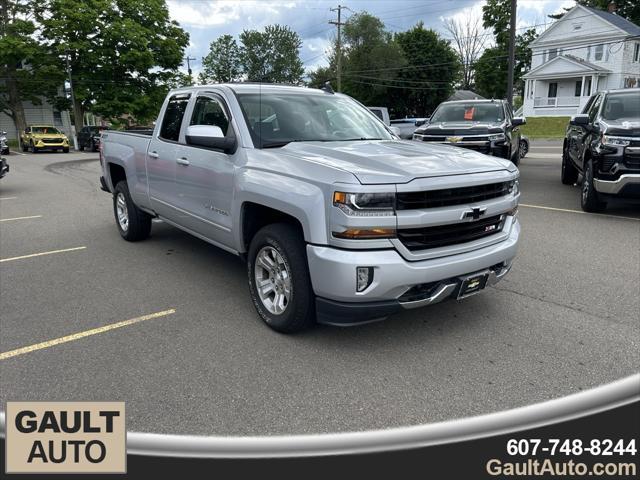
[[154, 154], [182, 161]]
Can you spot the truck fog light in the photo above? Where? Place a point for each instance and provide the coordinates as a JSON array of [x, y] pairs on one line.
[[364, 276]]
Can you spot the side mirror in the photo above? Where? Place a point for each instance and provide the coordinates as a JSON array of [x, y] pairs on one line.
[[518, 121], [210, 136], [581, 119]]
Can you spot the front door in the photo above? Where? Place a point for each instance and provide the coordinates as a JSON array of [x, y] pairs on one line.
[[161, 157], [204, 176]]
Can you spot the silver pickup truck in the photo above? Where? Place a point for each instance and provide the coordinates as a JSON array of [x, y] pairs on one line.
[[337, 219]]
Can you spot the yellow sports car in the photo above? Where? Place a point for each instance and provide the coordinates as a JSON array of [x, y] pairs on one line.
[[43, 137]]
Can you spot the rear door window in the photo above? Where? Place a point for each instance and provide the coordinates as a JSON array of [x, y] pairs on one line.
[[173, 115], [209, 111]]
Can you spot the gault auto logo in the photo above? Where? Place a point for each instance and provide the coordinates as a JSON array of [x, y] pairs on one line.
[[66, 437], [454, 139]]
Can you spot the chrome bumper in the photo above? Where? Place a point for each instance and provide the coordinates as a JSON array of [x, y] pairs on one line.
[[614, 187]]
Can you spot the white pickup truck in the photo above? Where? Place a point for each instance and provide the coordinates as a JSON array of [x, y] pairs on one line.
[[337, 219]]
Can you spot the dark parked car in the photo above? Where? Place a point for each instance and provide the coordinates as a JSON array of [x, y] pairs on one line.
[[487, 126], [89, 137], [603, 145]]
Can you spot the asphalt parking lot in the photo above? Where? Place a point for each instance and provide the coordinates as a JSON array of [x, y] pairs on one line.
[[194, 357]]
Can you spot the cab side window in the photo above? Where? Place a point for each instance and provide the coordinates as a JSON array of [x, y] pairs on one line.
[[593, 111], [209, 111], [172, 121]]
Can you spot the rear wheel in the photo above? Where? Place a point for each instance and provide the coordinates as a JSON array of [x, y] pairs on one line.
[[569, 174], [590, 199], [133, 224], [279, 278], [25, 147]]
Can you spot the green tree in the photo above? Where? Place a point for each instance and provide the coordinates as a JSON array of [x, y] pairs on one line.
[[371, 60], [121, 53], [272, 55], [223, 63], [319, 77], [433, 67], [28, 72], [496, 15]]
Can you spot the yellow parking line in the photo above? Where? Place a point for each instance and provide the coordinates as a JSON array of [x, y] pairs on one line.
[[578, 211], [8, 198], [19, 218], [86, 333], [41, 253]]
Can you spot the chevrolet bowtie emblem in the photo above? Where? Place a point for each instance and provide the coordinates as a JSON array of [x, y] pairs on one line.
[[474, 213], [454, 139]]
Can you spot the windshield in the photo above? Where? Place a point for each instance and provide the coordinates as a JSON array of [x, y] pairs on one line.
[[45, 130], [279, 118], [622, 106], [469, 112]]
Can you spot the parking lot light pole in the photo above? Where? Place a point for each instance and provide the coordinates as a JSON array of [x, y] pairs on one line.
[[73, 103], [512, 48]]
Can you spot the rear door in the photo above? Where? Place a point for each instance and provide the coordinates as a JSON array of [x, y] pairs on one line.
[[204, 176], [162, 155]]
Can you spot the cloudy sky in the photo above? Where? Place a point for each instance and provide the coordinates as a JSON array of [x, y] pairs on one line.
[[205, 20]]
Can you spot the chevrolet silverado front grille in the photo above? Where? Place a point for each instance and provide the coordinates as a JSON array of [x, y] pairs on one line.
[[445, 235], [451, 196]]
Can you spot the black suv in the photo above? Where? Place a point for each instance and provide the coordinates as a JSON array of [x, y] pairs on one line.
[[487, 126], [89, 137], [603, 145]]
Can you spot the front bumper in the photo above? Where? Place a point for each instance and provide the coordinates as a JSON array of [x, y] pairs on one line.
[[4, 167], [51, 145], [397, 283], [626, 182]]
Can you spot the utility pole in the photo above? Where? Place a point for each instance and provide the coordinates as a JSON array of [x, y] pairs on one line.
[[189, 60], [339, 24], [512, 51], [78, 122]]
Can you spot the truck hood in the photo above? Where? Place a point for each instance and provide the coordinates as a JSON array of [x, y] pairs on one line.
[[624, 127], [395, 161]]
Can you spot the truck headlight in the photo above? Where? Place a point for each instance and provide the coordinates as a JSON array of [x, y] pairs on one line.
[[365, 204], [496, 137], [615, 141], [514, 186]]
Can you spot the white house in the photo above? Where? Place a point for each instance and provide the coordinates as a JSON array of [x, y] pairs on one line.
[[585, 51]]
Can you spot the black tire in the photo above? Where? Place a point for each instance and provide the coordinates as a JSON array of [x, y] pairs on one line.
[[80, 147], [138, 225], [515, 158], [569, 173], [590, 200], [524, 148], [288, 242], [93, 146], [25, 147], [65, 150], [33, 148]]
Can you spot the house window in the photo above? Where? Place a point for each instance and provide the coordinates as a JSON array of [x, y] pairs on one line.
[[631, 82], [587, 87], [589, 53], [578, 90], [636, 52], [553, 90], [577, 26], [553, 53], [57, 118], [599, 51]]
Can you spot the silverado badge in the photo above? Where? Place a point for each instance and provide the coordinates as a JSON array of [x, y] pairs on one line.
[[453, 139]]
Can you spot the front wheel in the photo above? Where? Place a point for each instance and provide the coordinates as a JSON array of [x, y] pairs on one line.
[[34, 149], [133, 224], [515, 159], [279, 280], [590, 199], [65, 150], [524, 148]]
